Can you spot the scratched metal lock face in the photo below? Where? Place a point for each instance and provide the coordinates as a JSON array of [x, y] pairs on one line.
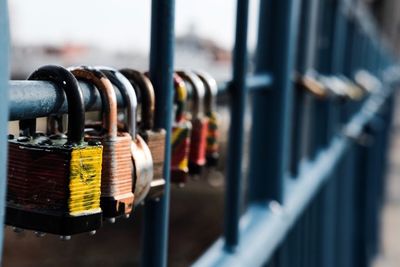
[[210, 111], [54, 183], [181, 132], [141, 157], [116, 180], [198, 140], [154, 138]]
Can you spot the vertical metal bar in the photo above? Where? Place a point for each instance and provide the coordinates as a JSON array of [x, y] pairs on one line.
[[4, 76], [329, 192], [270, 136], [303, 102], [238, 95], [308, 39], [155, 233]]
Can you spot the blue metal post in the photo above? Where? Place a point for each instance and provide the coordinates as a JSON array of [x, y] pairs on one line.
[[235, 145], [303, 101], [4, 76], [155, 233], [270, 136], [328, 199]]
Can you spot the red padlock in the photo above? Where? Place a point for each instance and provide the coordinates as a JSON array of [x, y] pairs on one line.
[[210, 110], [196, 93]]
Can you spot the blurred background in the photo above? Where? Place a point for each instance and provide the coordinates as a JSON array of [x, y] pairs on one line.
[[117, 34]]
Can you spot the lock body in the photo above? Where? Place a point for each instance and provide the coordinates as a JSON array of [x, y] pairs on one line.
[[180, 147], [117, 168], [212, 145], [156, 143], [53, 188], [198, 142]]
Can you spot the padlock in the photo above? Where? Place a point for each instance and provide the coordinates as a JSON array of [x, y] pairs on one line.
[[354, 91], [54, 184], [335, 86], [140, 152], [155, 138], [368, 82], [210, 110], [309, 83], [196, 93], [116, 178], [181, 132]]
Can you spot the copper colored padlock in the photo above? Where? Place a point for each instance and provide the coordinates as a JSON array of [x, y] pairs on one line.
[[141, 155], [198, 140], [116, 181], [181, 131], [210, 110], [155, 138], [309, 83], [54, 183]]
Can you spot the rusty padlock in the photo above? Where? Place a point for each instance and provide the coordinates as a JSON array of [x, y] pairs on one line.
[[54, 184], [140, 152], [181, 132], [196, 93], [155, 138], [309, 83], [210, 110], [354, 91], [116, 179]]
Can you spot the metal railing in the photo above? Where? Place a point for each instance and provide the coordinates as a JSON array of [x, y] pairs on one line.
[[312, 207]]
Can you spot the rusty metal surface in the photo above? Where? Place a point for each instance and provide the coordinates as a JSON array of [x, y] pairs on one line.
[[38, 179], [117, 169], [156, 142]]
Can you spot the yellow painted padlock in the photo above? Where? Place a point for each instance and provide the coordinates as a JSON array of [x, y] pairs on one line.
[[54, 181]]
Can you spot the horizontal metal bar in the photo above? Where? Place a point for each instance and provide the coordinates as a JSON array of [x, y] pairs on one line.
[[34, 99], [263, 227], [253, 83]]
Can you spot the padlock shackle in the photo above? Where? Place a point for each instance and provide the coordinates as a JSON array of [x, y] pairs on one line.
[[198, 91], [107, 94], [180, 97], [128, 94], [211, 91], [64, 79], [145, 92]]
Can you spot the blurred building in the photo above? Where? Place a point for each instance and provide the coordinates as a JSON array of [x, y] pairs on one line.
[[387, 14]]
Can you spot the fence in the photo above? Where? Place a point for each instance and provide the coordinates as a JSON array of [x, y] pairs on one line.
[[308, 205]]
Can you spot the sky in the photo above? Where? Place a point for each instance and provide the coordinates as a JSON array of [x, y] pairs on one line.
[[122, 25]]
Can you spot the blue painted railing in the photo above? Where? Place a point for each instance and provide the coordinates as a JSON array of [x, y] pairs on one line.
[[317, 167]]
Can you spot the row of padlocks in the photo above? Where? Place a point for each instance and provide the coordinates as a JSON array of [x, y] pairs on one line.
[[340, 87], [67, 182]]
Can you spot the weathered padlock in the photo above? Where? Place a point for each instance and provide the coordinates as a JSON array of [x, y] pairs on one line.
[[354, 91], [140, 152], [368, 82], [309, 83], [335, 86], [196, 93], [210, 110], [181, 131], [54, 184], [155, 138], [116, 179]]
